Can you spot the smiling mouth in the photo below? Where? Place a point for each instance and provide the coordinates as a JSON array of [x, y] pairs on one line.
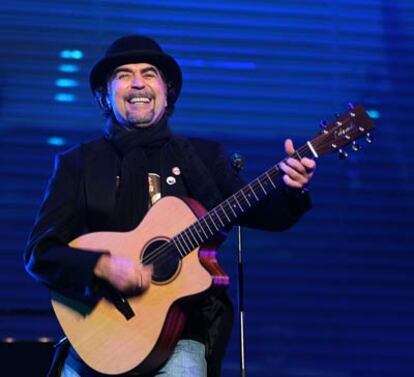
[[135, 100]]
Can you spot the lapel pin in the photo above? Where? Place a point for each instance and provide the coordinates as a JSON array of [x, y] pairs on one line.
[[176, 170]]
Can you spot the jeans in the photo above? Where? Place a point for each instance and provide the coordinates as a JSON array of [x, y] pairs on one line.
[[187, 360]]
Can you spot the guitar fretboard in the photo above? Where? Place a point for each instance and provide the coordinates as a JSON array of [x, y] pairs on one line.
[[344, 130], [231, 209]]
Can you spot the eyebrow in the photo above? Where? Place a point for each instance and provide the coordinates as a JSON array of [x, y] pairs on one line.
[[149, 69], [143, 70]]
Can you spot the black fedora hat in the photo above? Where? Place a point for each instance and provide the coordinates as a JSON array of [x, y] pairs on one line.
[[136, 49]]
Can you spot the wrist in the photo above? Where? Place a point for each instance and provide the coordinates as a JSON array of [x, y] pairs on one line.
[[297, 192], [101, 266]]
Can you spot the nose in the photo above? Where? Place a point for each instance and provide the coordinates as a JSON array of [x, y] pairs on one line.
[[138, 81]]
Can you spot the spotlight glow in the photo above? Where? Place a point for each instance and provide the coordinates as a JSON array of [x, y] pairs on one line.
[[68, 68], [66, 83], [71, 54], [65, 97], [374, 114], [56, 141]]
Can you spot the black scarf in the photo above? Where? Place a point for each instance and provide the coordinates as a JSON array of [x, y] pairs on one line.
[[132, 195], [131, 146], [128, 141]]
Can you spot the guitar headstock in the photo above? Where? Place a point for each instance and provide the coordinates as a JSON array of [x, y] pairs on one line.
[[346, 128]]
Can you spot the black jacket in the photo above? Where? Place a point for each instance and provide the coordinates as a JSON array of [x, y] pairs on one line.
[[81, 196]]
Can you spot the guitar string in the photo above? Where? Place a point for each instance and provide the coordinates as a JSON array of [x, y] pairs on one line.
[[239, 196], [161, 250], [303, 151]]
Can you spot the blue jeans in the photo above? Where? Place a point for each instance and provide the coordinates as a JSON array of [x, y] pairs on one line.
[[187, 360]]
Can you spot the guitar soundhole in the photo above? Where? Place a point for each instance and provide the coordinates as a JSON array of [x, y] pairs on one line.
[[165, 260]]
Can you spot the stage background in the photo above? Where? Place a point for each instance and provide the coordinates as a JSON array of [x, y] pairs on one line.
[[331, 297]]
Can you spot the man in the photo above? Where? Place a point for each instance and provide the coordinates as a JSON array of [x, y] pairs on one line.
[[109, 184]]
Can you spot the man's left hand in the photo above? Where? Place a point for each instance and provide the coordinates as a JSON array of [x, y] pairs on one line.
[[298, 173]]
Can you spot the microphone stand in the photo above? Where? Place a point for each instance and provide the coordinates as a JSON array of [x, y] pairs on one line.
[[241, 302], [238, 164]]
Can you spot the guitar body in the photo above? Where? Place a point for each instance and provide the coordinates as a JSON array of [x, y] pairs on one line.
[[103, 337]]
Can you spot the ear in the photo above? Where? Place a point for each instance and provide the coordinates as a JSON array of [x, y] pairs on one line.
[[107, 97], [103, 100], [106, 100]]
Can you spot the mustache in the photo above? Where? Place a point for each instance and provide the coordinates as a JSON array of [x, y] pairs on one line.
[[139, 93]]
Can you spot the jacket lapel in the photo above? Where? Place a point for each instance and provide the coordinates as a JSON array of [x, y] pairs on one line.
[[101, 168], [196, 176]]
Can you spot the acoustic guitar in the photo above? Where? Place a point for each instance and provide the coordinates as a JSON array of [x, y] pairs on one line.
[[179, 238]]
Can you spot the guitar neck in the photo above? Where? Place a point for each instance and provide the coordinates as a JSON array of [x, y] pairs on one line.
[[347, 127], [227, 212]]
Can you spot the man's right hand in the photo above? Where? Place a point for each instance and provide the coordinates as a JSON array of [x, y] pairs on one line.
[[124, 274]]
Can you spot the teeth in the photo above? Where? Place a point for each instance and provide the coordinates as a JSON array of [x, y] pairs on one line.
[[139, 100]]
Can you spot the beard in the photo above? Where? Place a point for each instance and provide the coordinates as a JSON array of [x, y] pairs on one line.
[[140, 120]]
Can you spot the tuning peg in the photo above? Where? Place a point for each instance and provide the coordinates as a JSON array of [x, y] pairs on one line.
[[369, 138], [322, 125], [351, 106], [355, 146], [342, 154]]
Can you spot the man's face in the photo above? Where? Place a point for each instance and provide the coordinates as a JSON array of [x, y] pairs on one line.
[[137, 94]]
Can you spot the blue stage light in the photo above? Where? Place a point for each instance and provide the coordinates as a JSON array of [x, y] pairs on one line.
[[68, 68], [65, 97], [217, 64], [56, 141], [66, 83], [71, 54], [374, 114]]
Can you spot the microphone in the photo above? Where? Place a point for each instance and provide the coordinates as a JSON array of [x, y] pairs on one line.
[[237, 160]]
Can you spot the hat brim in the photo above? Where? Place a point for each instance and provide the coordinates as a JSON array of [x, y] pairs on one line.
[[101, 71]]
